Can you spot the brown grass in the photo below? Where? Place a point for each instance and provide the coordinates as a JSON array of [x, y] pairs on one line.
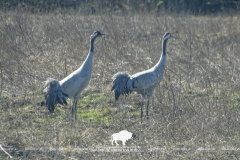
[[196, 105]]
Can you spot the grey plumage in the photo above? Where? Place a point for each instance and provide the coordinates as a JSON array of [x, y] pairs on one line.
[[53, 94], [143, 82], [71, 86], [119, 84]]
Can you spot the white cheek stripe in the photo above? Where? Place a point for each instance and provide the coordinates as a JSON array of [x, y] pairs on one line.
[[168, 36]]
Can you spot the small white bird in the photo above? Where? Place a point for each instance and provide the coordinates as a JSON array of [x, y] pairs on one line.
[[143, 82], [70, 87]]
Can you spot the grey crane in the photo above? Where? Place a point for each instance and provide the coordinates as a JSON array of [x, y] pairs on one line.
[[71, 86], [143, 82]]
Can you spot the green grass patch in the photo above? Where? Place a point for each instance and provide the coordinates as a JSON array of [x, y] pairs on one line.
[[96, 115], [135, 112], [92, 99], [40, 132], [40, 120], [195, 92], [61, 110], [236, 96], [3, 97], [28, 107]]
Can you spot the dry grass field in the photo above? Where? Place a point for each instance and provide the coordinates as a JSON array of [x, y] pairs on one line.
[[194, 112]]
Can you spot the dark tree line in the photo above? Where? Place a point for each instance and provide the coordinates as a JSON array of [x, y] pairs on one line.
[[175, 6], [200, 6]]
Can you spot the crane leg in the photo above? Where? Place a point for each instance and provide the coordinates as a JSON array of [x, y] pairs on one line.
[[73, 107], [76, 110], [141, 111], [147, 109]]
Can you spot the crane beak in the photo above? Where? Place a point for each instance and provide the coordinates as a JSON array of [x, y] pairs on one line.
[[102, 34]]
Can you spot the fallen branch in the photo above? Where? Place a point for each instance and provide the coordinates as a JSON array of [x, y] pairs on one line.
[[5, 151]]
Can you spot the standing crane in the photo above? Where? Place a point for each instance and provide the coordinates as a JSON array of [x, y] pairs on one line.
[[143, 82], [71, 86]]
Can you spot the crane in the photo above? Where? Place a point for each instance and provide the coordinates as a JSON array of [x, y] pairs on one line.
[[143, 82], [71, 86]]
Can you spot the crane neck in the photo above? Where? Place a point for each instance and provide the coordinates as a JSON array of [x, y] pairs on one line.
[[87, 64], [164, 44], [91, 44], [160, 66]]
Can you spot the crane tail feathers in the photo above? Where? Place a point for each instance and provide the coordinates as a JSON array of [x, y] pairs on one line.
[[120, 80], [53, 94]]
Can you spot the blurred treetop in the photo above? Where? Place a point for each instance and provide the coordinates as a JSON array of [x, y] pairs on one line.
[[99, 6]]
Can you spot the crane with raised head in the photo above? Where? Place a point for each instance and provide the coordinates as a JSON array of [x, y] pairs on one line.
[[71, 86], [143, 82]]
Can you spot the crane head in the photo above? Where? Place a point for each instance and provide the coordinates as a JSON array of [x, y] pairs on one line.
[[167, 35], [97, 34]]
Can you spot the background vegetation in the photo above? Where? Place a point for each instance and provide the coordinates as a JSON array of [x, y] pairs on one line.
[[194, 112], [125, 6]]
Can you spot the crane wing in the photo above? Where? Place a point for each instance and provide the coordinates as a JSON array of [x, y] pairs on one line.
[[75, 83], [143, 80]]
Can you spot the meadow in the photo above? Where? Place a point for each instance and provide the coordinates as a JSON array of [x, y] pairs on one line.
[[194, 112]]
